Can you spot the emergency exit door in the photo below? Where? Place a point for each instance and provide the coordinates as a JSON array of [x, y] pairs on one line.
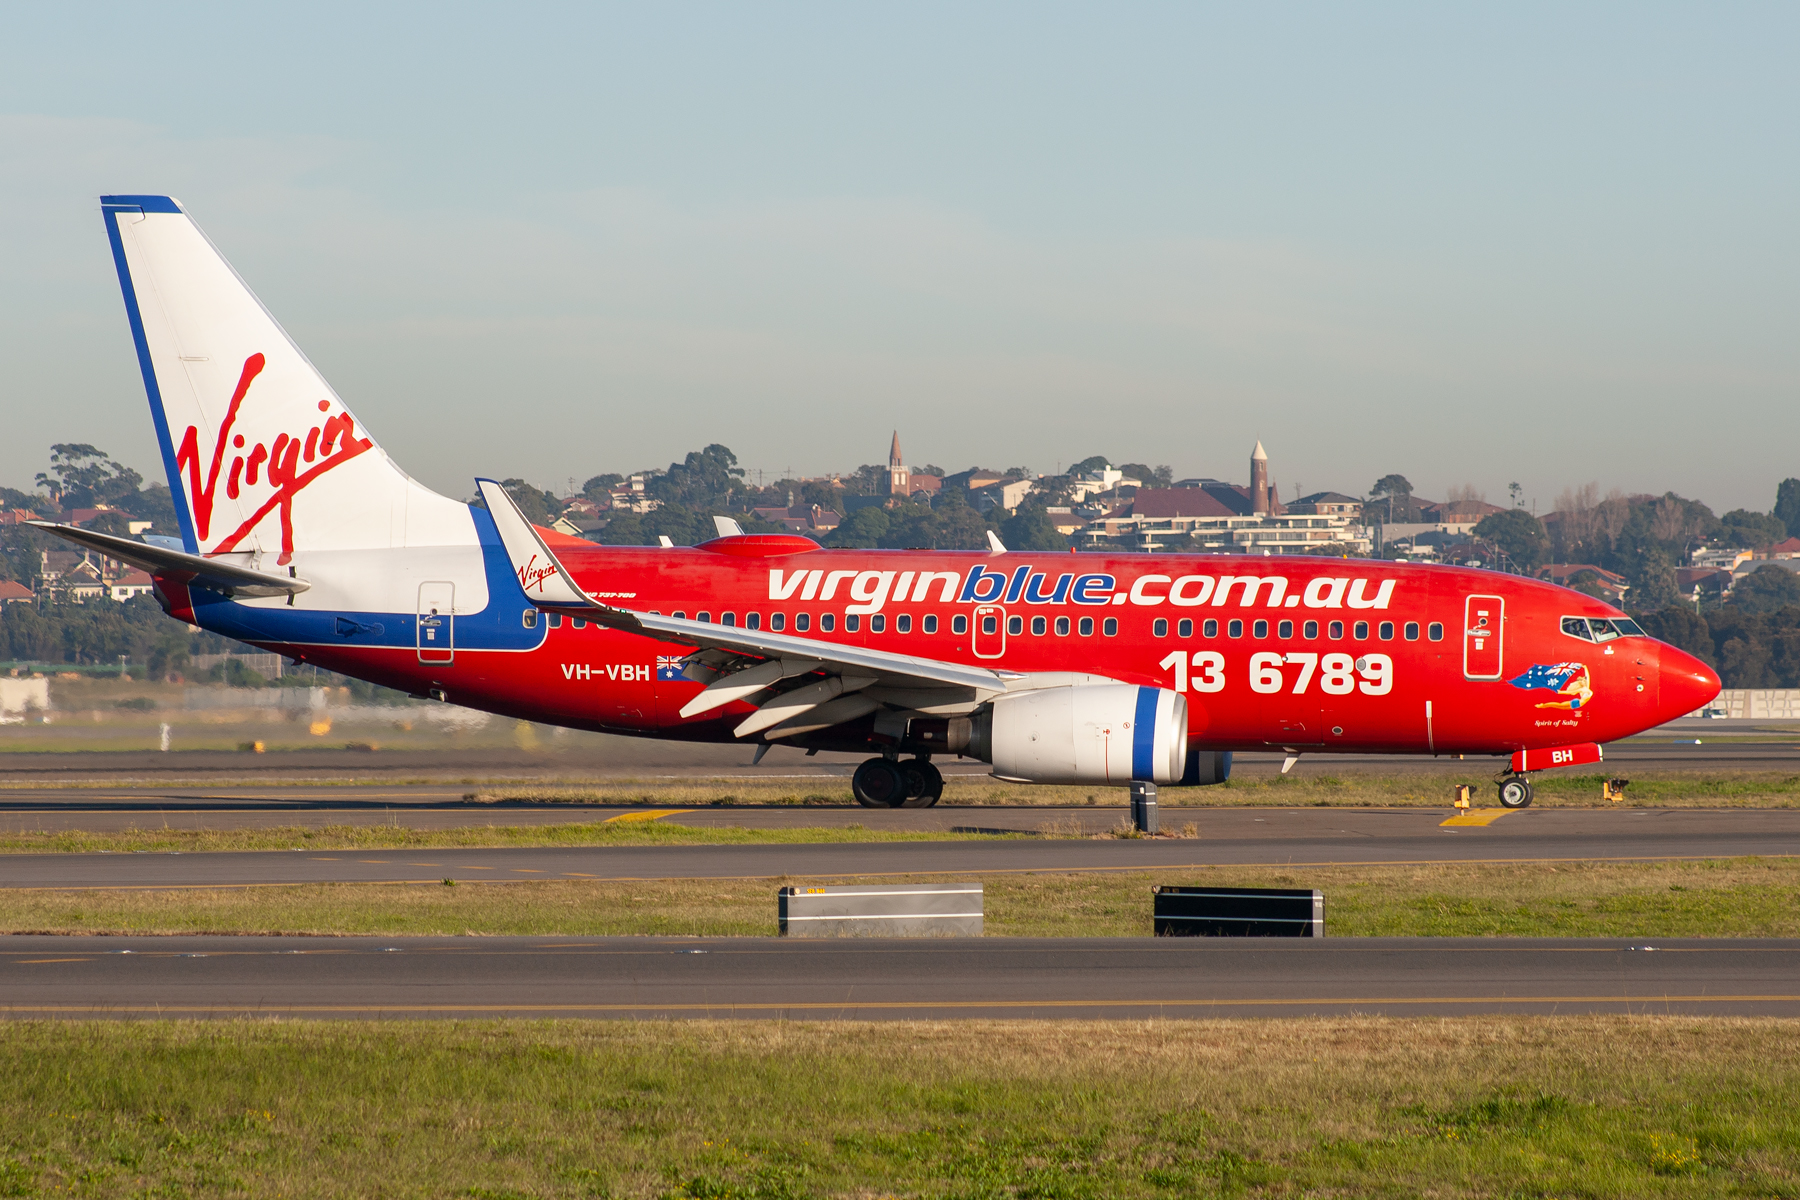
[[437, 622], [1484, 631], [990, 631]]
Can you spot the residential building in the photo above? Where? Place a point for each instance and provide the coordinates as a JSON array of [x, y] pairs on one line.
[[1007, 494], [1720, 558], [800, 518], [1695, 583], [1216, 517], [12, 592], [1093, 483], [1786, 549], [132, 583], [1610, 584], [1327, 504]]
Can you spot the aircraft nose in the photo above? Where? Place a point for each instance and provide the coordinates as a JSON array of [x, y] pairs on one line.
[[1685, 683]]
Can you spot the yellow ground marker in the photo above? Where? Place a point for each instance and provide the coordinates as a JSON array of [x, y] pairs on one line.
[[649, 814], [1477, 816]]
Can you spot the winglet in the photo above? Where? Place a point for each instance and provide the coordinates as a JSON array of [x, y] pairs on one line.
[[728, 527], [544, 578], [995, 544]]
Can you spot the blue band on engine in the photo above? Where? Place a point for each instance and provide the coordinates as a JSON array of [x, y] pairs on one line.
[[1143, 735]]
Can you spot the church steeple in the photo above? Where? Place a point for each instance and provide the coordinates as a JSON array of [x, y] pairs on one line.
[[899, 478]]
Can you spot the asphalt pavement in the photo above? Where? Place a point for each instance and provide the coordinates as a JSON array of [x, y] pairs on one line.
[[1290, 837], [1048, 978]]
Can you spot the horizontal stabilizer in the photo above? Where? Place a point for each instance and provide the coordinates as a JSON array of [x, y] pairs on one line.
[[208, 573]]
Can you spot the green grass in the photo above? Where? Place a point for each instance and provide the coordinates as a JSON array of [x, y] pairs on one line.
[[1489, 1106], [402, 837], [1725, 898]]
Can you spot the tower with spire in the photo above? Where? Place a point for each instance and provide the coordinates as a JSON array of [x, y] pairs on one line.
[[1263, 501], [899, 478]]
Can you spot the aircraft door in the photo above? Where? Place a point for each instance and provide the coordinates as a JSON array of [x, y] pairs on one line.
[[1484, 632], [437, 622], [990, 631]]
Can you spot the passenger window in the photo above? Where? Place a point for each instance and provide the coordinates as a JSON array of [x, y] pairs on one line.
[[1039, 626], [1385, 631], [778, 621], [1260, 629], [959, 623], [1184, 628], [902, 623], [1310, 629], [931, 623], [990, 624], [1062, 627], [1160, 627], [802, 622], [529, 618], [1412, 631], [752, 620], [852, 622], [704, 618], [1285, 629], [729, 620], [827, 622], [1576, 627], [556, 620], [1335, 630], [679, 615], [1015, 624], [1435, 631], [1234, 628], [1362, 631], [579, 623], [1209, 628], [1110, 626], [1086, 627]]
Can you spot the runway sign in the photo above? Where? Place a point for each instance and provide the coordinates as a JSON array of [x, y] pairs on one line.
[[1239, 912], [882, 910]]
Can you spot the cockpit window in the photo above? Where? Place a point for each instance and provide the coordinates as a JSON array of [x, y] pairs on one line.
[[1601, 629]]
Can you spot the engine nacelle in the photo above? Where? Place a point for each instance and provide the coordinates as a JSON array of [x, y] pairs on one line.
[[1086, 733]]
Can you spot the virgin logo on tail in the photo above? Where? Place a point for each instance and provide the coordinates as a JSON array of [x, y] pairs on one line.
[[276, 465]]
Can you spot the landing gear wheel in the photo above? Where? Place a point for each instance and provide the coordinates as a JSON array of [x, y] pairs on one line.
[[924, 783], [1515, 793], [879, 783]]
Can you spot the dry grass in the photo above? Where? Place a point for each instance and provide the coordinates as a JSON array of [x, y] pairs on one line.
[[1664, 789], [1488, 1106], [1726, 898]]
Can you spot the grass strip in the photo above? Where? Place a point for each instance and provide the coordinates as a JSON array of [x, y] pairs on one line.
[[402, 837], [1479, 1106], [1661, 789], [1744, 897]]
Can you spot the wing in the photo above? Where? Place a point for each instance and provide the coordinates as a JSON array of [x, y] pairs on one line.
[[798, 685], [210, 573]]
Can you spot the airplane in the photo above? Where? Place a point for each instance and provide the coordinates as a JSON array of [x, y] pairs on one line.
[[300, 535]]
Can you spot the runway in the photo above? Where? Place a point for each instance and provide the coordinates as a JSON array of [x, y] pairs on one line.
[[1722, 745], [1135, 978], [1293, 837]]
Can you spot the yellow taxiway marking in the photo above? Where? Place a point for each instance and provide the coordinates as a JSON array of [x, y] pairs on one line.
[[840, 1006], [1477, 816], [649, 814], [25, 962], [380, 862], [525, 871]]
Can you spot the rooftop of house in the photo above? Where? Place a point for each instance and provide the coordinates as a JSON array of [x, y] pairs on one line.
[[1163, 503]]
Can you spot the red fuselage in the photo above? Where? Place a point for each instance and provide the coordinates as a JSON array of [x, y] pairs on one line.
[[1304, 654]]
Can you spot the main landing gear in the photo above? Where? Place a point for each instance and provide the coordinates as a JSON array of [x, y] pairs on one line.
[[892, 783], [1515, 792]]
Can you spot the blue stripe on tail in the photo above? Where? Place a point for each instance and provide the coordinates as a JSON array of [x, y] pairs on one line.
[[1143, 735]]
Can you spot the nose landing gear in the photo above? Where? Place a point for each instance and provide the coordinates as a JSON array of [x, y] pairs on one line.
[[886, 783], [1515, 792]]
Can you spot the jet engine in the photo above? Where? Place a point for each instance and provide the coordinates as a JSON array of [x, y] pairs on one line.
[[1085, 733]]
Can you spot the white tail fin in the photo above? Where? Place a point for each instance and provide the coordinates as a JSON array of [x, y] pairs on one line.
[[261, 455]]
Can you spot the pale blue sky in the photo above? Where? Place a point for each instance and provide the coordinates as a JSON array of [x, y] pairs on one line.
[[1547, 243]]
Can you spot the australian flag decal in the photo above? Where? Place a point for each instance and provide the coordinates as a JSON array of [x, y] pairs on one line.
[[1569, 680], [668, 667]]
